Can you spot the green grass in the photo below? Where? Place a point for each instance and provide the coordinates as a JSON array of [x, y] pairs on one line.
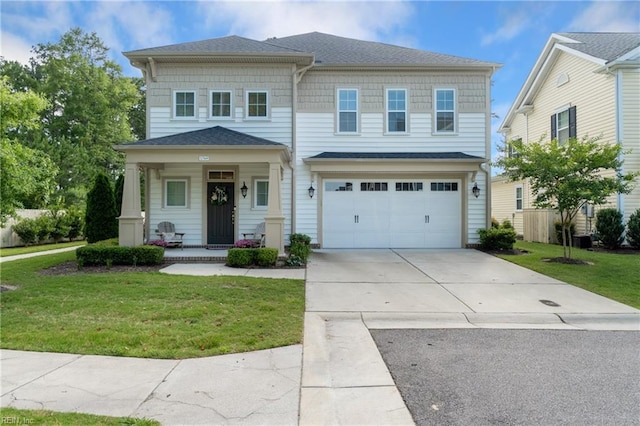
[[616, 276], [12, 251], [145, 314], [15, 416]]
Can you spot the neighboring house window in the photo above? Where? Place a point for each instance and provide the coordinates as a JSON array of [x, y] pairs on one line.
[[347, 110], [396, 110], [563, 125], [220, 104], [511, 152], [257, 104], [175, 193], [261, 193], [445, 110], [184, 105], [518, 198]]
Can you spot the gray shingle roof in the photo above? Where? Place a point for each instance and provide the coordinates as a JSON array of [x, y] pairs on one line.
[[334, 50], [396, 156], [213, 136], [607, 46]]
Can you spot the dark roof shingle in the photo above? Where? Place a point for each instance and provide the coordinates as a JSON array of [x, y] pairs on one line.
[[607, 46], [213, 136]]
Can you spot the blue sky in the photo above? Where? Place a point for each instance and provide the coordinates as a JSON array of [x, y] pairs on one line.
[[509, 32]]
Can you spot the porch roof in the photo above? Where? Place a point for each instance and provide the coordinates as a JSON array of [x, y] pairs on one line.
[[385, 156], [210, 137]]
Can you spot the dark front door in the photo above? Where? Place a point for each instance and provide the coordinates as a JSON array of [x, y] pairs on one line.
[[220, 216]]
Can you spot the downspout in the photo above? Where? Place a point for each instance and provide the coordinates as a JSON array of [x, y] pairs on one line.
[[487, 170]]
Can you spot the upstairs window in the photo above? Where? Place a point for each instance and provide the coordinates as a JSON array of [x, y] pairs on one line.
[[347, 110], [220, 104], [563, 124], [396, 110], [445, 110], [184, 104], [257, 104], [511, 151]]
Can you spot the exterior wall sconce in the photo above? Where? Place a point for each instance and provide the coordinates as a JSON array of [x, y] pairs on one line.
[[311, 190], [475, 190], [244, 190]]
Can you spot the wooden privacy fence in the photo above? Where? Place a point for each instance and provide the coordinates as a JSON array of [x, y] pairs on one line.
[[538, 225]]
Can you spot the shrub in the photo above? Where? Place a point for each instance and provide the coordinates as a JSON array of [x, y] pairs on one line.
[[633, 230], [497, 238], [75, 221], [610, 228], [495, 223], [506, 224], [27, 230], [60, 225], [44, 227], [105, 253], [300, 247], [266, 256], [570, 231], [241, 257], [244, 244], [100, 218]]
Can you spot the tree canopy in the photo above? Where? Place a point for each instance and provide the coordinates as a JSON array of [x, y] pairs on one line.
[[565, 176]]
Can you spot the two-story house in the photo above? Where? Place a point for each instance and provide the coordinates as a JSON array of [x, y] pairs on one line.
[[355, 143], [582, 84]]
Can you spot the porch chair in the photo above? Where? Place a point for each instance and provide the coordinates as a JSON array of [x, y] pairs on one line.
[[257, 235], [167, 233]]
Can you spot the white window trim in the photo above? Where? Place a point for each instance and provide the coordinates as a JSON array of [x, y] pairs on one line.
[[564, 108], [165, 181], [246, 105], [515, 193], [405, 110], [221, 117], [195, 105], [338, 110], [254, 195], [435, 112]]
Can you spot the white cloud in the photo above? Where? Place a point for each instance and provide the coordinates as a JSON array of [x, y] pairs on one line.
[[514, 24], [261, 20], [613, 16], [15, 48]]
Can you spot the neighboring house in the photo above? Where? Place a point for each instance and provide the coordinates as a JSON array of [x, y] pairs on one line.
[[354, 143], [583, 84]]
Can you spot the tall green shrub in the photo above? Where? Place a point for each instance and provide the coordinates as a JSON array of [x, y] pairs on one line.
[[101, 216], [299, 249], [633, 230], [27, 230], [610, 228]]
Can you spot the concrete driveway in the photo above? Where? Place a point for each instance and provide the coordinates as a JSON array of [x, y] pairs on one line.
[[345, 380]]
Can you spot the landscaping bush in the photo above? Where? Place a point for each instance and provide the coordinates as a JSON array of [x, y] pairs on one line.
[[495, 223], [497, 238], [60, 225], [610, 228], [266, 256], [75, 221], [570, 231], [633, 230], [299, 248], [105, 253], [100, 218], [506, 224], [44, 227], [27, 230], [241, 257]]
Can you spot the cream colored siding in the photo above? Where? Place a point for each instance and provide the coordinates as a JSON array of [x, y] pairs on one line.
[[631, 134], [503, 202]]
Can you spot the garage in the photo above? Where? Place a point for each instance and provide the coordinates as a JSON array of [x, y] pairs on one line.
[[392, 213]]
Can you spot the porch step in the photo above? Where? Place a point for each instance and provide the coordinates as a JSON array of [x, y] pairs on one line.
[[194, 259]]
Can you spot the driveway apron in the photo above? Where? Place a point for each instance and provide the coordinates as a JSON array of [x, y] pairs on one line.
[[345, 380]]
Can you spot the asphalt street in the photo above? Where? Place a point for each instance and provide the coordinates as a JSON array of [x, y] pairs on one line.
[[509, 377]]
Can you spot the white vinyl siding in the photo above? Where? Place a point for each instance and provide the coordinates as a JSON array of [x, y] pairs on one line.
[[396, 110], [184, 104]]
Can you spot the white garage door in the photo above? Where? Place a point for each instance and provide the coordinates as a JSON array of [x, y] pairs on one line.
[[379, 213]]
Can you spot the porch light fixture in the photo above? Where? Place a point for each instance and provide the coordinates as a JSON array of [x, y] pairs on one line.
[[475, 190], [244, 190], [311, 190]]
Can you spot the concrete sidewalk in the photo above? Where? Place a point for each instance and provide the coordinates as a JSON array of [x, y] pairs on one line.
[[37, 253], [337, 376]]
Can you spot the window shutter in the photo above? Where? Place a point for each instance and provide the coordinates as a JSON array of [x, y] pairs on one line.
[[554, 131], [572, 122]]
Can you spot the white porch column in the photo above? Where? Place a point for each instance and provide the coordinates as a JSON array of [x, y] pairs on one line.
[[274, 220], [130, 221]]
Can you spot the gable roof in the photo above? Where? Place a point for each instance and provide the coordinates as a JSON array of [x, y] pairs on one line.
[[211, 137], [319, 49], [609, 50]]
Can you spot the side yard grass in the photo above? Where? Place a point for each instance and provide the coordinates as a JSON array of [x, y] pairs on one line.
[[14, 416], [616, 276], [145, 314], [13, 251]]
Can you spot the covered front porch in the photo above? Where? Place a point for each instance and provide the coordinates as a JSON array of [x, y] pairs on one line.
[[214, 185]]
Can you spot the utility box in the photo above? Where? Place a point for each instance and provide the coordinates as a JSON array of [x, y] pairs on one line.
[[582, 241]]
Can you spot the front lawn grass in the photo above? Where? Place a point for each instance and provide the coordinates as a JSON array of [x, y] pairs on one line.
[[145, 314], [14, 416], [12, 251], [616, 276]]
